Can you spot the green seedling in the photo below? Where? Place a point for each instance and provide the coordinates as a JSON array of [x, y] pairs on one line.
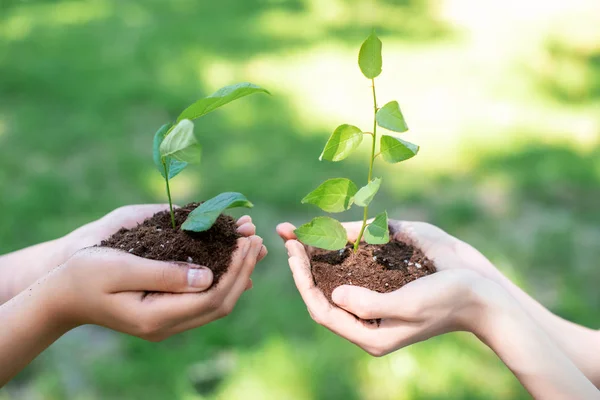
[[176, 146], [339, 194]]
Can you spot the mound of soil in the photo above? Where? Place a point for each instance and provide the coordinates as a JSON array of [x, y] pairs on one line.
[[156, 239], [382, 268]]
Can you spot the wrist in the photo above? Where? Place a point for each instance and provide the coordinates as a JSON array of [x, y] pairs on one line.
[[58, 298], [494, 308]]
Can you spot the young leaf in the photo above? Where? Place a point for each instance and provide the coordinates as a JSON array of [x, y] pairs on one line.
[[394, 150], [173, 166], [333, 195], [390, 117], [378, 232], [205, 215], [342, 142], [324, 233], [369, 56], [221, 97], [181, 144], [366, 193]]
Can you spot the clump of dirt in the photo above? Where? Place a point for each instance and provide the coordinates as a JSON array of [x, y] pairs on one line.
[[156, 239], [382, 268]]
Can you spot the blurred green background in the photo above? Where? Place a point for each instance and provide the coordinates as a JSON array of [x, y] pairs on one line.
[[503, 97]]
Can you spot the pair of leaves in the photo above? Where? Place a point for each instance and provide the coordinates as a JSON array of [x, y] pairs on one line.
[[338, 194], [181, 144], [177, 145], [205, 215], [172, 165], [329, 234]]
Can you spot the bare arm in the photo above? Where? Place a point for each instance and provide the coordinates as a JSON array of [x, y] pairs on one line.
[[21, 268]]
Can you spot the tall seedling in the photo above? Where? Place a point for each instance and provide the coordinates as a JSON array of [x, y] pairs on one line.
[[339, 194], [175, 147]]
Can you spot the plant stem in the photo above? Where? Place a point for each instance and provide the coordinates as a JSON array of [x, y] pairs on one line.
[[169, 193], [366, 212]]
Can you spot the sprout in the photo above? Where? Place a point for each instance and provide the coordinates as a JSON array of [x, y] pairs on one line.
[[339, 194], [176, 146]]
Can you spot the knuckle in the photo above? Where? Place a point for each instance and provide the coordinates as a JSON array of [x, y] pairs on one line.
[[319, 318], [149, 328], [214, 304], [227, 308], [168, 278], [376, 350], [154, 338]]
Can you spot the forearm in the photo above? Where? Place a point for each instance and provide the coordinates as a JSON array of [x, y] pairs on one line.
[[576, 341], [28, 328], [21, 268], [539, 364]]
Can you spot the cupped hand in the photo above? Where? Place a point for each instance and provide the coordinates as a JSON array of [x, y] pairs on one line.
[[95, 232], [446, 251], [127, 217], [110, 288], [449, 300]]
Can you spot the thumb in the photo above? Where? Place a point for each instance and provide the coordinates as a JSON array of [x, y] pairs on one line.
[[362, 302], [140, 274]]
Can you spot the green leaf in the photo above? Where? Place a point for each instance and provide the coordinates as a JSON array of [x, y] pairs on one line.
[[333, 195], [342, 142], [366, 193], [221, 97], [173, 166], [378, 231], [205, 215], [324, 233], [390, 117], [394, 150], [181, 144], [369, 56]]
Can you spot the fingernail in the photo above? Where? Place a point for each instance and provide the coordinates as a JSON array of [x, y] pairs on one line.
[[199, 277]]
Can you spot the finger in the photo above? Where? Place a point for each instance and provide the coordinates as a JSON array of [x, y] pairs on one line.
[[365, 303], [250, 284], [243, 278], [244, 220], [322, 312], [190, 312], [247, 229], [286, 231], [263, 253], [296, 249], [133, 273], [237, 261]]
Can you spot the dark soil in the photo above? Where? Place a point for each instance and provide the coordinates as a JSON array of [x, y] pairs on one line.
[[157, 240], [382, 268]]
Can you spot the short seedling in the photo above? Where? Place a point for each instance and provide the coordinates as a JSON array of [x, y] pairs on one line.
[[175, 147], [337, 195]]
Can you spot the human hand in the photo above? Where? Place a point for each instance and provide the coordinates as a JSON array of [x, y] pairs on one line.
[[449, 300], [109, 288]]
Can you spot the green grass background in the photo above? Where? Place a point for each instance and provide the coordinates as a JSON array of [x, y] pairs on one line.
[[504, 99]]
